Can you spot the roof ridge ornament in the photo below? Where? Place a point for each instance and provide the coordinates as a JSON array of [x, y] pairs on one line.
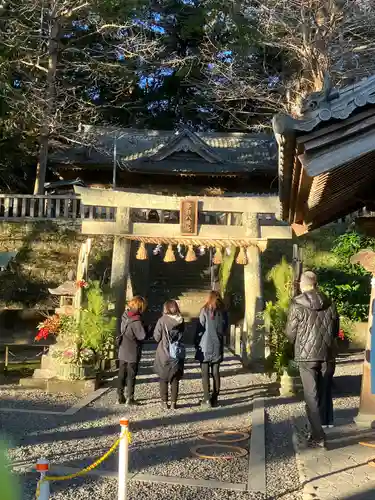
[[327, 104], [320, 98]]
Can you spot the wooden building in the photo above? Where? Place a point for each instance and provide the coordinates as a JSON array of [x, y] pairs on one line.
[[327, 170], [326, 156], [162, 162]]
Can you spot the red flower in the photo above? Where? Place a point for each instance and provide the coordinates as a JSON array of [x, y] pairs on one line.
[[341, 334], [42, 334], [82, 284]]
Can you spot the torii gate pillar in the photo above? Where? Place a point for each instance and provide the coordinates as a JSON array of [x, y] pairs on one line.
[[366, 413], [120, 263]]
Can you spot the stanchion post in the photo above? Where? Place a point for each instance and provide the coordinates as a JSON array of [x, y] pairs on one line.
[[123, 464], [43, 491]]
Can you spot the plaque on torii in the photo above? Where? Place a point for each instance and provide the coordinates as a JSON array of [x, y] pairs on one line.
[[189, 217]]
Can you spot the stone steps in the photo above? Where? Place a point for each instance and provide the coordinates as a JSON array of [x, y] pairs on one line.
[[186, 282]]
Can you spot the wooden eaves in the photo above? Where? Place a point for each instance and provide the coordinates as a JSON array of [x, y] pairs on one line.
[[327, 156]]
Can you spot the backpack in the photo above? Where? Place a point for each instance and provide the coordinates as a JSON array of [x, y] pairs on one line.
[[176, 348]]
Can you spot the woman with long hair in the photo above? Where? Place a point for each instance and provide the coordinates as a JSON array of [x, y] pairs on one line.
[[129, 345], [170, 353], [209, 345]]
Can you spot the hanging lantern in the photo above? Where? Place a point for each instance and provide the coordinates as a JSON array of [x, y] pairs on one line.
[[141, 252], [169, 254], [218, 257], [190, 256], [242, 257], [202, 250]]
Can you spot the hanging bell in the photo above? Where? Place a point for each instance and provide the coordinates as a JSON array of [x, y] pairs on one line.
[[241, 257], [190, 256], [169, 255], [142, 252]]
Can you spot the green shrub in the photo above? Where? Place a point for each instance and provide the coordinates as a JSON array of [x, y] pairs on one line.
[[275, 317], [225, 270], [10, 488], [346, 284], [97, 328]]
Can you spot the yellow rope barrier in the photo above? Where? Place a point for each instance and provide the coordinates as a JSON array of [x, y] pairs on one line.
[[86, 469]]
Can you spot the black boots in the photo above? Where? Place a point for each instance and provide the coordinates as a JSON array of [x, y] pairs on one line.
[[121, 398]]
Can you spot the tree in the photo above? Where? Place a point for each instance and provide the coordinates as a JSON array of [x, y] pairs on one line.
[[56, 57], [184, 84], [295, 44]]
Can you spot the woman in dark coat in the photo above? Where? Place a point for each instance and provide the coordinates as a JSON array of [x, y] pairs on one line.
[[130, 349], [209, 344], [170, 353]]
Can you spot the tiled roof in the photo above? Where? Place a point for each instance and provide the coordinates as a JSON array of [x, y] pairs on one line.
[[135, 146]]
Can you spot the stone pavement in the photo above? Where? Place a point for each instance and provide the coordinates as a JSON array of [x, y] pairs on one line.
[[341, 472]]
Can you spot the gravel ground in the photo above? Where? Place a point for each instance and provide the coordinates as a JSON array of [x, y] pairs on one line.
[[281, 468], [15, 396], [161, 441], [106, 489]]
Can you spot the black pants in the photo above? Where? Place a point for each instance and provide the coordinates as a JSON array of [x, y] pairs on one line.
[[325, 392], [214, 368], [174, 383], [126, 377], [316, 379]]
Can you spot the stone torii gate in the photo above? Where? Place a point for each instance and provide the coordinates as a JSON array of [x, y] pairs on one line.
[[252, 236]]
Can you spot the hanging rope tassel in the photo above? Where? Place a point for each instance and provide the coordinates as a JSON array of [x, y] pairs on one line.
[[142, 252], [169, 255], [191, 256], [218, 257], [241, 257]]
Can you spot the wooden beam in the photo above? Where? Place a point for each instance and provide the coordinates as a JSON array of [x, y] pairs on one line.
[[300, 229], [276, 232], [114, 198], [303, 193], [157, 230]]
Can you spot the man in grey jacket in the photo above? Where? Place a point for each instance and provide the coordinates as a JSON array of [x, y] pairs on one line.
[[312, 327]]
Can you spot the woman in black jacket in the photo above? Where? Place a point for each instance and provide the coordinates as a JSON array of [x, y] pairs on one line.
[[170, 353], [130, 349]]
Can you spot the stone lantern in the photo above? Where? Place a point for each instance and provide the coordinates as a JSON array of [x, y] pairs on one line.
[[66, 291]]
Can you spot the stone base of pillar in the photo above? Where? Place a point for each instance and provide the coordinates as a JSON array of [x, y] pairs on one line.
[[365, 421], [366, 413]]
